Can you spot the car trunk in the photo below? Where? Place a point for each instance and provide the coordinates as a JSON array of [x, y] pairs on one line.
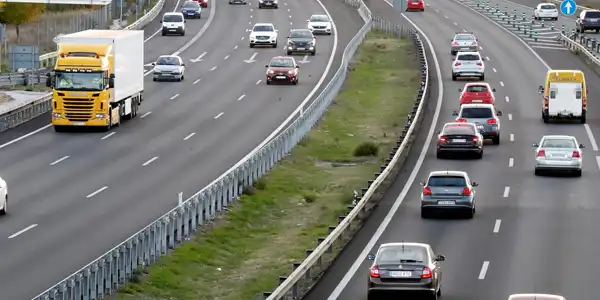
[[401, 272], [558, 154]]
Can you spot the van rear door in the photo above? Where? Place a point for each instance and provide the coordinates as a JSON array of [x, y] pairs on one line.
[[565, 99]]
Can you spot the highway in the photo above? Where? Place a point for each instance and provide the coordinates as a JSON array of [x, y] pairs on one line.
[[530, 234], [74, 196]]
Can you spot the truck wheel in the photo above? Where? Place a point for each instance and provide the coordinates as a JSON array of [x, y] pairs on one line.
[[583, 118], [546, 118], [58, 128]]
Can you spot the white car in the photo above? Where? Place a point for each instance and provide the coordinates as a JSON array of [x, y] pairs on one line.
[[263, 34], [559, 153], [173, 23], [535, 297], [3, 196], [468, 64], [168, 67], [545, 11], [319, 24]]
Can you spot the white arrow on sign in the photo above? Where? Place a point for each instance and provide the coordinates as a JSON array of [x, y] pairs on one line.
[[568, 6], [304, 60], [251, 60], [199, 58]]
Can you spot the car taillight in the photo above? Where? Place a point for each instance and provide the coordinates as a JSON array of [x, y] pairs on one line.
[[426, 273], [426, 191], [585, 20], [454, 44], [576, 154], [475, 139], [474, 44], [443, 139], [457, 64], [492, 121], [461, 121], [545, 102], [541, 153], [479, 63], [466, 191], [375, 272]]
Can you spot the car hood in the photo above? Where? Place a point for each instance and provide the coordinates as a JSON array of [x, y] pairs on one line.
[[301, 40], [263, 33], [165, 68], [319, 24], [277, 70]]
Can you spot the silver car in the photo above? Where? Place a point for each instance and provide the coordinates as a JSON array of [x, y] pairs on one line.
[[464, 41], [168, 67], [558, 153], [484, 116], [535, 297], [448, 191]]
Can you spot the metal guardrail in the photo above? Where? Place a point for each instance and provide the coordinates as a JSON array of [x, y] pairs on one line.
[[35, 108], [103, 276]]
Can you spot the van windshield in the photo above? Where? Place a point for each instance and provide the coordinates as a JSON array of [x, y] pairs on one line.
[[172, 18]]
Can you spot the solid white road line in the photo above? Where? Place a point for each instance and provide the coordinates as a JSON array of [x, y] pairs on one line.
[[145, 115], [24, 136], [197, 80], [506, 191], [150, 161], [189, 136], [591, 137], [497, 226], [16, 234], [98, 191], [484, 269], [219, 115], [59, 160], [174, 96], [108, 135]]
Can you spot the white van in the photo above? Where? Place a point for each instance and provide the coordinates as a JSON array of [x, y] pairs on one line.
[[535, 297], [565, 95], [173, 23]]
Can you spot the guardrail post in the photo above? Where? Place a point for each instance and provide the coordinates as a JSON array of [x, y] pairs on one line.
[[514, 14], [552, 26], [78, 286], [93, 281], [266, 294], [532, 18], [505, 10], [542, 23], [536, 36], [562, 29], [594, 42], [525, 30], [295, 287], [308, 271], [86, 284], [524, 18]]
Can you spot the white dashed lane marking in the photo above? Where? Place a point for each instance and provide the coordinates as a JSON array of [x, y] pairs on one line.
[[497, 226], [484, 269], [59, 160], [150, 161], [96, 192]]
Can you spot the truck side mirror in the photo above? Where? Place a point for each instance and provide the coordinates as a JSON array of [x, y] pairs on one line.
[[48, 80], [111, 81], [540, 89]]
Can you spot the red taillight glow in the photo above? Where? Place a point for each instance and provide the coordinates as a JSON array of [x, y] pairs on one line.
[[479, 64], [576, 154], [585, 20], [454, 44], [461, 121], [443, 139], [492, 121], [466, 191], [474, 44], [541, 153], [426, 191], [457, 64], [426, 273], [374, 272], [475, 139], [545, 102]]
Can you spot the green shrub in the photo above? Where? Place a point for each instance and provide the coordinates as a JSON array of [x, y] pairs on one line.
[[366, 149]]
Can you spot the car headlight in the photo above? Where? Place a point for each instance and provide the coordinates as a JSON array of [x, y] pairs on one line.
[[291, 72], [271, 72]]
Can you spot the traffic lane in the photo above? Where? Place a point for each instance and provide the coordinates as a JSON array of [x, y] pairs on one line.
[[151, 28]]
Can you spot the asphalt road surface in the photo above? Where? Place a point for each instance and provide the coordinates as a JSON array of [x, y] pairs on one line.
[[530, 234], [74, 196]]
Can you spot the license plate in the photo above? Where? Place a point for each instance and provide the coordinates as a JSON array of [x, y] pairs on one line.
[[301, 49], [464, 48], [77, 123], [479, 126], [400, 274], [190, 13], [172, 29], [477, 101], [280, 77], [446, 202], [267, 3], [459, 140]]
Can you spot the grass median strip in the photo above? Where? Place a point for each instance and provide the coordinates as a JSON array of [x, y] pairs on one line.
[[249, 247]]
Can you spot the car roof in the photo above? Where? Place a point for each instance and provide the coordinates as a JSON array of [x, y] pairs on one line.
[[476, 84], [173, 13], [467, 52], [464, 33], [586, 10], [299, 29], [477, 105], [320, 16], [264, 24], [169, 55], [535, 297], [559, 137], [546, 3], [191, 2], [448, 173], [280, 57], [385, 245]]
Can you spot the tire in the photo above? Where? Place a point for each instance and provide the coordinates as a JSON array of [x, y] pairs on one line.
[[583, 118], [578, 173], [537, 172], [452, 53], [545, 118], [425, 214], [439, 292], [496, 140], [482, 77], [289, 52], [251, 45], [422, 9], [183, 33], [439, 155], [479, 155], [276, 6], [470, 214], [313, 53], [295, 82], [275, 45], [268, 82], [453, 77], [4, 210], [58, 128], [556, 19], [260, 6], [163, 33]]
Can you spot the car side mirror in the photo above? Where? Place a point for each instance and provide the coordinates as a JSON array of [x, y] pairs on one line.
[[540, 89], [499, 113], [460, 90], [581, 146], [154, 64], [184, 21], [440, 258], [288, 37], [494, 90], [455, 113], [276, 30], [160, 21], [535, 145], [475, 183], [266, 66], [297, 67], [183, 65], [437, 131], [371, 256], [307, 21], [111, 81]]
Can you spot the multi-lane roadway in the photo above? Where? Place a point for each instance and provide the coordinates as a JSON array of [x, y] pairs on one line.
[[530, 234], [74, 196]]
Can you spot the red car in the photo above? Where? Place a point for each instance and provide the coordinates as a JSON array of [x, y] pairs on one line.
[[282, 69], [203, 3], [415, 5], [477, 93]]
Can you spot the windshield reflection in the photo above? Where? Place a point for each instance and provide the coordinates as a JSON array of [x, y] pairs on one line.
[[75, 81]]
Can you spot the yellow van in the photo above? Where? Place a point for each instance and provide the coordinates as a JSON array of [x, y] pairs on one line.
[[565, 95]]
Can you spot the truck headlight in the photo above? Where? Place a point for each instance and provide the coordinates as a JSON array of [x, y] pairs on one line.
[[100, 116], [57, 116]]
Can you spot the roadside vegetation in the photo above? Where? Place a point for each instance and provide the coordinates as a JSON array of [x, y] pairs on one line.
[[248, 248]]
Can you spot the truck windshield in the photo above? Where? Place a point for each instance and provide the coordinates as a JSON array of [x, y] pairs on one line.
[[71, 81]]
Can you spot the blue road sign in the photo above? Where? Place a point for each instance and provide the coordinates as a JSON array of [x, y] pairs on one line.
[[568, 7]]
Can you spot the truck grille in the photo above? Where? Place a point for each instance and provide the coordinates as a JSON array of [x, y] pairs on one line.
[[78, 109]]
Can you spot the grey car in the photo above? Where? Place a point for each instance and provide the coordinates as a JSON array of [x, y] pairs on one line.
[[301, 41], [448, 191], [464, 41], [238, 2], [459, 138], [484, 116], [402, 268], [559, 153], [168, 67]]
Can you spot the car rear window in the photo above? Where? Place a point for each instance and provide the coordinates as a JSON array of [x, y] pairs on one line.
[[463, 130], [468, 57], [447, 180], [477, 88], [476, 113], [592, 14], [400, 254], [548, 6], [558, 143], [464, 37]]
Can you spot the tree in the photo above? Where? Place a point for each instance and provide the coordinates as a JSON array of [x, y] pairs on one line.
[[20, 13]]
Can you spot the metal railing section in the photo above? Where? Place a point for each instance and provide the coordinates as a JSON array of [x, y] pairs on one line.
[[38, 107], [111, 270]]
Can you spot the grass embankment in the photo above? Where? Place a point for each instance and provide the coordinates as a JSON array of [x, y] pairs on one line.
[[257, 240]]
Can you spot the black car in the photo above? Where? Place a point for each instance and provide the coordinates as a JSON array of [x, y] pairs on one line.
[[301, 41], [237, 2], [589, 19], [463, 138], [405, 268], [267, 3], [191, 9]]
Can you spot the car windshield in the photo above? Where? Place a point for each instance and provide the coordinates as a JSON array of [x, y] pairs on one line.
[[172, 18], [458, 130], [558, 143], [548, 6], [446, 180], [592, 14], [468, 57], [303, 34], [319, 19], [167, 61], [263, 28], [191, 5], [477, 89], [282, 63], [401, 254], [476, 113], [464, 37]]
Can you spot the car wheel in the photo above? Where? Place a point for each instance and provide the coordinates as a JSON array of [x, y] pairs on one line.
[[329, 33], [439, 291], [295, 81], [275, 6], [313, 53], [452, 53], [469, 214], [182, 78], [439, 155], [479, 154], [275, 45], [251, 45], [482, 77], [583, 118], [268, 82], [163, 33], [153, 79], [4, 209], [289, 52], [578, 173], [422, 9], [496, 140], [260, 6], [453, 77], [424, 214], [537, 172], [545, 118]]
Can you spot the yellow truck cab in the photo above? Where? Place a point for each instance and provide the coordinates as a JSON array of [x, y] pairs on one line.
[[565, 95], [98, 79]]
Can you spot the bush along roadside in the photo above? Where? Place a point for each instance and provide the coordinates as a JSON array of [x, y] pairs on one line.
[[245, 251]]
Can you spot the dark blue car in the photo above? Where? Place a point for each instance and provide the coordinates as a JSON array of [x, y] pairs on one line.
[[191, 10]]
